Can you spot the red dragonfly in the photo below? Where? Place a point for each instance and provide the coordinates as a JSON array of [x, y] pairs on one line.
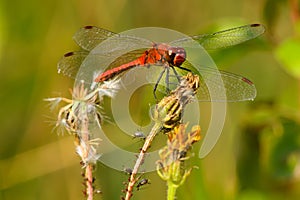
[[171, 56]]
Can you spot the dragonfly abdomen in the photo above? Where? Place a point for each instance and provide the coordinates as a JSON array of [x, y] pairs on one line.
[[122, 68]]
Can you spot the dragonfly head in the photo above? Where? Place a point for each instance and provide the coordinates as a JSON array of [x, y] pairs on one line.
[[177, 55]]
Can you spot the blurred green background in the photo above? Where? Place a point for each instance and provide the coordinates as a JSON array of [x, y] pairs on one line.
[[257, 156]]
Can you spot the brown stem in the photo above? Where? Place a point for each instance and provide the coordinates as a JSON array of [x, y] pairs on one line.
[[156, 128], [86, 149], [89, 181]]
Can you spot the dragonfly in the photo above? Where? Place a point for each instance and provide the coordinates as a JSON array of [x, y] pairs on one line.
[[170, 56]]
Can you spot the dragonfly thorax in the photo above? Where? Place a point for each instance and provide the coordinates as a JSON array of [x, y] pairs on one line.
[[177, 55]]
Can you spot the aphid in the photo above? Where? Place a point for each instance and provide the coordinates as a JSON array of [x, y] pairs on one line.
[[182, 154], [139, 134], [160, 165], [127, 171], [142, 182]]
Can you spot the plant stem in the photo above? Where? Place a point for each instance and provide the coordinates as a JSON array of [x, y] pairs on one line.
[[89, 181], [85, 136], [156, 129], [171, 190]]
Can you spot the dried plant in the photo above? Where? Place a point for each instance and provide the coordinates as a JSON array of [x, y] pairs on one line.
[[167, 116], [171, 167], [78, 117]]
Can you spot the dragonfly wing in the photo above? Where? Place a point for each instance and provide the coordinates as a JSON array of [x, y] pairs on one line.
[[116, 51], [221, 86], [224, 38], [215, 85], [127, 57], [70, 63], [89, 37]]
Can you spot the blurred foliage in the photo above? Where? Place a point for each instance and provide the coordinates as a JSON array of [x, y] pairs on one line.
[[269, 153], [288, 49], [288, 54], [35, 164]]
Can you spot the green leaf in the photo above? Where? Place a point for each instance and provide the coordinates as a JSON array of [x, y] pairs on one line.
[[288, 54]]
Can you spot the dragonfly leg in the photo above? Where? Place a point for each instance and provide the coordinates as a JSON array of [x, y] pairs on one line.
[[158, 80], [183, 68], [167, 80], [176, 74]]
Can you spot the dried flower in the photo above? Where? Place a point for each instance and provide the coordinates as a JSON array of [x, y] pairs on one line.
[[169, 110], [87, 150], [171, 166], [70, 116]]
